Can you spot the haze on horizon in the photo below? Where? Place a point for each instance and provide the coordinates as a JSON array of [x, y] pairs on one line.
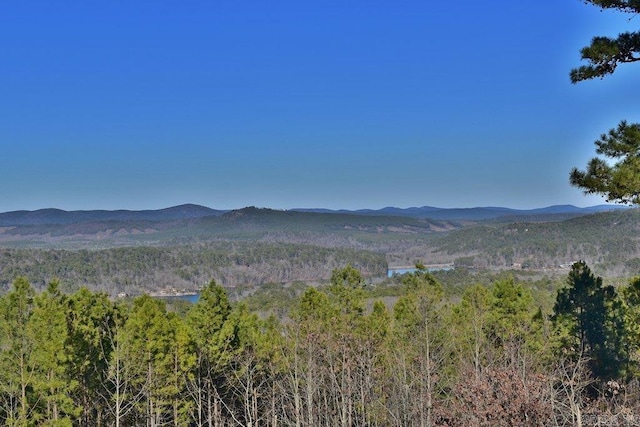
[[287, 105]]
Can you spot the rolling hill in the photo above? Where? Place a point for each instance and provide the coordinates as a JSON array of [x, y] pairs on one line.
[[124, 228], [59, 217], [187, 245], [51, 216]]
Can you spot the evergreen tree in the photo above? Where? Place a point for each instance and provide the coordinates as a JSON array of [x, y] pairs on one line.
[[180, 361], [372, 364], [511, 324], [310, 337], [120, 388], [249, 375], [604, 54], [420, 351], [629, 297], [584, 310], [91, 325], [205, 321], [52, 385], [16, 348], [347, 288], [619, 182], [617, 177], [147, 340], [469, 323]]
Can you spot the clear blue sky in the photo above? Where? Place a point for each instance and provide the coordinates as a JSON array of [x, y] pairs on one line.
[[284, 104]]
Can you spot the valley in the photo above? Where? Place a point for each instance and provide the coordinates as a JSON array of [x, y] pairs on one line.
[[181, 248]]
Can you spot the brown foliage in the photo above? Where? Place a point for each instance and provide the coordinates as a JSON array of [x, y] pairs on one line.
[[499, 397]]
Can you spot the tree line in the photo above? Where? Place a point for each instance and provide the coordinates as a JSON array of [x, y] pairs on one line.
[[138, 269], [608, 241], [493, 357]]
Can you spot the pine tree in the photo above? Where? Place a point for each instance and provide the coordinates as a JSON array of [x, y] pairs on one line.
[[583, 309], [16, 348], [147, 341], [617, 177], [421, 349], [91, 321], [52, 385], [604, 54], [205, 321]]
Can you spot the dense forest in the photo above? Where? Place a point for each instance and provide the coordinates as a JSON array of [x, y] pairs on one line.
[[284, 334], [607, 241], [134, 270], [252, 247], [339, 356]]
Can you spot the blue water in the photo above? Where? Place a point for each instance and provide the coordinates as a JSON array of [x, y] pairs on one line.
[[191, 298], [393, 271]]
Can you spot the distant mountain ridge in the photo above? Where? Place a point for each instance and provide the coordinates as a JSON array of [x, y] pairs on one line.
[[52, 216], [108, 228], [474, 214], [489, 237]]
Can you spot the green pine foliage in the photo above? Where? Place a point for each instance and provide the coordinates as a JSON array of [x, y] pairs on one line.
[[586, 310], [617, 176], [52, 383], [604, 54], [338, 359]]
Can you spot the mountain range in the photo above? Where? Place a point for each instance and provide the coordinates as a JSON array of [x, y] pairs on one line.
[[59, 216], [474, 214], [53, 216], [184, 246]]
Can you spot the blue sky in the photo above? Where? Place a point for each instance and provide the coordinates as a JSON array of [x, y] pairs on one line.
[[283, 104]]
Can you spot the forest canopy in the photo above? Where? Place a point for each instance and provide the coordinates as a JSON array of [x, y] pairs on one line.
[[337, 357]]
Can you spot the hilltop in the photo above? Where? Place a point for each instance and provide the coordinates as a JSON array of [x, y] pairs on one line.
[[52, 216]]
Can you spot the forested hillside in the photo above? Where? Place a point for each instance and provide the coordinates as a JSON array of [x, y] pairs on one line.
[[474, 344], [134, 270], [59, 216], [608, 241], [255, 246], [244, 224], [494, 357]]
